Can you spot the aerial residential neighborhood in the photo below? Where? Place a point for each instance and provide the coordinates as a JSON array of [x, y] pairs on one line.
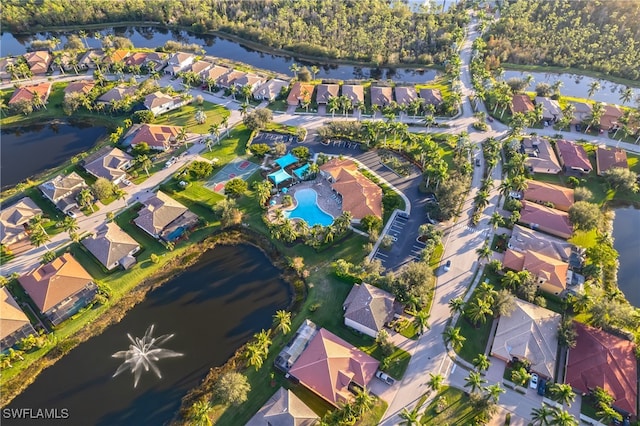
[[406, 213]]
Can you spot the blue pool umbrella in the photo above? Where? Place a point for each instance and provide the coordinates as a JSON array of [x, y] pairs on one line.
[[301, 171], [279, 176], [285, 190], [286, 160]]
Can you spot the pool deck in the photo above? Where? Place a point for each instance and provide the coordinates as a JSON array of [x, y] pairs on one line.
[[327, 200]]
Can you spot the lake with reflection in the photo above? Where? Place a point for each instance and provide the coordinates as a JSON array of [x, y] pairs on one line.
[[627, 244]]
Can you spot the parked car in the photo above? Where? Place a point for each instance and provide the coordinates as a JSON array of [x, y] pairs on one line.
[[490, 119], [447, 266], [72, 214], [533, 383], [542, 387], [477, 162], [385, 378]]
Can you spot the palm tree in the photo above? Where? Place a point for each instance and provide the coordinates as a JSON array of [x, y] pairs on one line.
[[199, 413], [182, 135], [294, 68], [494, 391], [39, 238], [246, 92], [496, 220], [474, 381], [86, 198], [594, 86], [145, 163], [244, 108], [214, 130], [420, 321], [314, 70], [596, 114], [3, 107], [263, 340], [410, 418], [484, 252], [562, 417], [435, 381], [481, 363], [362, 402], [254, 354], [119, 193], [282, 320], [70, 224], [626, 95], [453, 337], [456, 305], [541, 416], [563, 393], [556, 86], [478, 310]]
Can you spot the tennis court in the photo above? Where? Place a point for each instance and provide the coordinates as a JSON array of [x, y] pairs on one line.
[[238, 168]]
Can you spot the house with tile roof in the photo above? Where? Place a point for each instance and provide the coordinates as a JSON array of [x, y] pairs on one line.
[[359, 195], [270, 90], [528, 334], [29, 93], [80, 86], [4, 64], [521, 103], [159, 137], [90, 58], [545, 219], [63, 190], [551, 110], [541, 192], [112, 246], [162, 215], [214, 73], [284, 408], [118, 55], [324, 92], [38, 61], [117, 94], [109, 163], [251, 80], [60, 288], [155, 60], [353, 92], [229, 79], [159, 103], [609, 158], [15, 218], [550, 274], [14, 324], [199, 67], [541, 157], [300, 93], [405, 94], [136, 59], [603, 360], [367, 309], [179, 62], [381, 95], [573, 157], [329, 366], [432, 97], [525, 239], [610, 117]]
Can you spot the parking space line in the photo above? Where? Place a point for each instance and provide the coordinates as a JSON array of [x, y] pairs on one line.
[[382, 254]]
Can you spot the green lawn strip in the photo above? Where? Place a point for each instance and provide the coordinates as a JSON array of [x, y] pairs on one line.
[[457, 409], [49, 210], [584, 239], [230, 147], [374, 415], [477, 338], [195, 197], [279, 105], [185, 116]]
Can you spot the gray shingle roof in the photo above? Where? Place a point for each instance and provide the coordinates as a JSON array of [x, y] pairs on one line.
[[369, 306], [110, 244]]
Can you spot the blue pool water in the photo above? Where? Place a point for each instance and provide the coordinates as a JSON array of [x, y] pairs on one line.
[[308, 209], [175, 234]]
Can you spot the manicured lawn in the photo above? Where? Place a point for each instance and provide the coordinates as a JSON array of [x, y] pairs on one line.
[[477, 338], [49, 210], [196, 197], [235, 145], [185, 116], [458, 410], [584, 239], [280, 105]]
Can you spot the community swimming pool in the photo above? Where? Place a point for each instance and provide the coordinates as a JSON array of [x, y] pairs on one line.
[[308, 209]]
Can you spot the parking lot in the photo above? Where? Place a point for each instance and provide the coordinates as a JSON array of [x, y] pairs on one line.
[[343, 144], [272, 138], [395, 231]]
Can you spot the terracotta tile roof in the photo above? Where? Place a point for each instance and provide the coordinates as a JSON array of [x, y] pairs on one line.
[[136, 58], [529, 333], [540, 156], [248, 80], [551, 273], [110, 244], [12, 318], [50, 284], [118, 55], [14, 217], [271, 89], [521, 103], [111, 165], [200, 66], [381, 96], [156, 136], [329, 364], [369, 306], [541, 192], [216, 72], [325, 92], [157, 99], [60, 186], [360, 196], [284, 408], [608, 158], [553, 221], [38, 61], [300, 92], [610, 117], [573, 156], [603, 360], [159, 211], [404, 94], [431, 96], [26, 93], [229, 78], [353, 92], [81, 86]]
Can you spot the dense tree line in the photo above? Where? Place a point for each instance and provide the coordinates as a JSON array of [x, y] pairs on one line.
[[367, 30], [599, 35]]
